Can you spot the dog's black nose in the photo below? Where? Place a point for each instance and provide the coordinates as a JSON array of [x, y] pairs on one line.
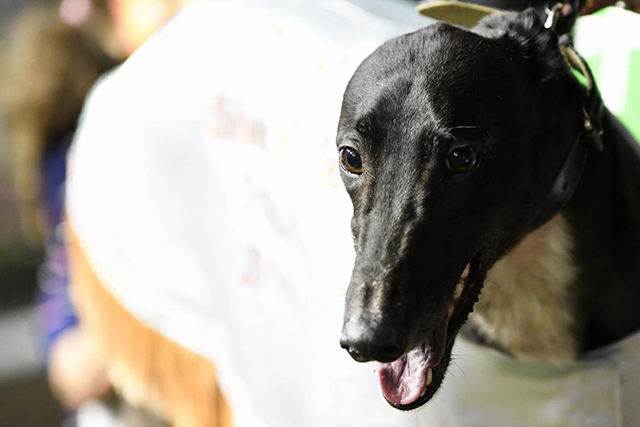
[[364, 344]]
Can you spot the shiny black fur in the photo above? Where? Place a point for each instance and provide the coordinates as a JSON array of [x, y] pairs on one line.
[[504, 89]]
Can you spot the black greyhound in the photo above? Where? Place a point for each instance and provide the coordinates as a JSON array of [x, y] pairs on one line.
[[462, 152]]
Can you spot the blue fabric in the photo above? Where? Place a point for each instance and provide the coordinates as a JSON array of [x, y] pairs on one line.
[[56, 311]]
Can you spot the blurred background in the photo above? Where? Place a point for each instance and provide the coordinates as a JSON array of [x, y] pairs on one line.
[[51, 54], [25, 399]]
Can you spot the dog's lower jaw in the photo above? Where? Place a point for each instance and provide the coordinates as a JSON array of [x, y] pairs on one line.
[[432, 379], [408, 378], [412, 380], [528, 303]]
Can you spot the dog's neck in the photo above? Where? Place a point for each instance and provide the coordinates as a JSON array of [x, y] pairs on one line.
[[571, 285], [604, 215], [527, 307]]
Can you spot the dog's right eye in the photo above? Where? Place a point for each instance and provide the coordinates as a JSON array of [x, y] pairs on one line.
[[350, 160], [462, 159]]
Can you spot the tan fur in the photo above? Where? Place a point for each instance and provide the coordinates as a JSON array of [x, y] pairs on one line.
[[527, 306], [148, 369]]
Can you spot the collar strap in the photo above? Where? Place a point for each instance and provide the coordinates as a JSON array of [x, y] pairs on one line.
[[589, 136], [593, 107]]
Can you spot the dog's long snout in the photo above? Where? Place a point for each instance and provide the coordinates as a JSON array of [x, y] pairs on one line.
[[376, 314], [366, 342]]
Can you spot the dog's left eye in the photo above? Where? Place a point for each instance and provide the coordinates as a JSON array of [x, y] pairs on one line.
[[351, 160], [462, 159]]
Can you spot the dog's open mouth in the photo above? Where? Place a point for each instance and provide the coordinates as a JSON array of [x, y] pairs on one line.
[[413, 379]]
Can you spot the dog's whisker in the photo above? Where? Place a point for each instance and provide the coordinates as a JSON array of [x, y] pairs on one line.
[[454, 363]]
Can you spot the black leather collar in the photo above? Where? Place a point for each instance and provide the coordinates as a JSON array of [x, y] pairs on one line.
[[589, 136]]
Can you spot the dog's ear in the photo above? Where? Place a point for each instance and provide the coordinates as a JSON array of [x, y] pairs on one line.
[[527, 41]]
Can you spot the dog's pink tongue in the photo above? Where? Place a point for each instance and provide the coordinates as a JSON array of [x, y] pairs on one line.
[[403, 380]]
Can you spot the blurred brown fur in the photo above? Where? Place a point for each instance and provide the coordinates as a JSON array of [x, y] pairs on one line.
[[46, 70], [149, 370]]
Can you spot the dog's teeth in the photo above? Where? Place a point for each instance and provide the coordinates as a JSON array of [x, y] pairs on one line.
[[429, 381], [458, 290], [465, 273]]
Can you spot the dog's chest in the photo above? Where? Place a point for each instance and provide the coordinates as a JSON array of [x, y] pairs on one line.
[[527, 306]]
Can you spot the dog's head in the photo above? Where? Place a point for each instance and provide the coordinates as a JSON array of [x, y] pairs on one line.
[[448, 141]]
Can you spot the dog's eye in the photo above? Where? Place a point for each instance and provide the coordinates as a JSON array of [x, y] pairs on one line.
[[351, 160], [462, 159]]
